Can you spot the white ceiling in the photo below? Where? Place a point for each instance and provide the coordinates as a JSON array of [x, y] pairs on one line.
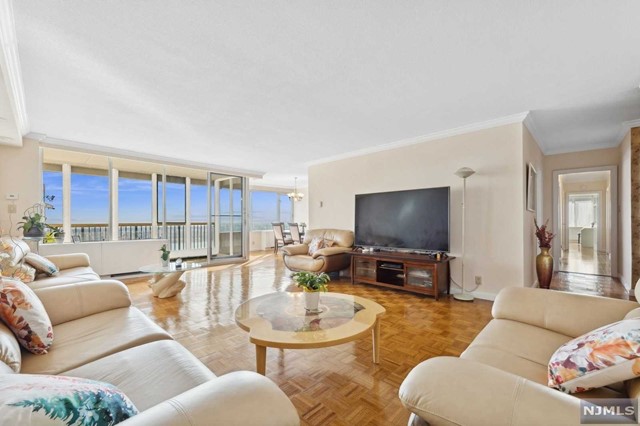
[[272, 85]]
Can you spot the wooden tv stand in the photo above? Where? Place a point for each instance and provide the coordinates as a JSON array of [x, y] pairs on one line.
[[417, 273]]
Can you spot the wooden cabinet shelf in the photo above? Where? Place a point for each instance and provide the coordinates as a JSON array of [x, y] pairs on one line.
[[404, 271]]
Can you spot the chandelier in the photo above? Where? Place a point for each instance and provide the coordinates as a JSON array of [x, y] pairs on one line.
[[295, 195]]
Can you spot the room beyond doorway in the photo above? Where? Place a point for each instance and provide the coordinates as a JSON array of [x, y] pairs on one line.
[[586, 226]]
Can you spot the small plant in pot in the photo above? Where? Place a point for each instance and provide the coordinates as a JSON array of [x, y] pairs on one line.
[[33, 221], [312, 284], [165, 255], [55, 234]]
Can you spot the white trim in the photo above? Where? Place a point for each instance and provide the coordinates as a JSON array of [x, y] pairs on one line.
[[613, 232], [484, 295], [474, 127], [133, 155], [529, 123], [10, 67]]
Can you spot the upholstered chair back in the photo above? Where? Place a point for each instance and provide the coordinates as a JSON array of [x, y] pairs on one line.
[[341, 237]]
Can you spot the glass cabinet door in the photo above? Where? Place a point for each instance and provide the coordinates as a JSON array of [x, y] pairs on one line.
[[420, 277], [365, 268]]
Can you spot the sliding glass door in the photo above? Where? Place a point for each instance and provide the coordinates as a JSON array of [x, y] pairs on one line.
[[227, 233]]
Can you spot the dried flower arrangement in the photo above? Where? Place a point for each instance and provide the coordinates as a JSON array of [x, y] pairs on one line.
[[544, 236]]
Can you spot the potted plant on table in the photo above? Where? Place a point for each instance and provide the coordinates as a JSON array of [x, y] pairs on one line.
[[544, 261], [165, 255], [33, 221], [312, 284], [55, 234]]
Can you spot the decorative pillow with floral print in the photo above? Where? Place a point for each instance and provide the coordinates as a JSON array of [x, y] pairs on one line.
[[30, 399], [318, 243], [21, 272], [602, 357], [15, 247], [24, 314]]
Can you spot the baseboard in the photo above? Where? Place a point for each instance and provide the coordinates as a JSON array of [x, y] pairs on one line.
[[484, 295]]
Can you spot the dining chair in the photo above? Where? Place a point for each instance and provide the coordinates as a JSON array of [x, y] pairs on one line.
[[296, 236], [279, 239]]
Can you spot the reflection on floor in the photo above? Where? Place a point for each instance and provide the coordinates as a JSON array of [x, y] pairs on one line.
[[594, 285], [585, 260], [337, 385]]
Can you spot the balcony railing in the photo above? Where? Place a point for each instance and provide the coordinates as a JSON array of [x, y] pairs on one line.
[[176, 233]]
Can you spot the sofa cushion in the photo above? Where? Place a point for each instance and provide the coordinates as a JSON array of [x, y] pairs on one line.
[[317, 244], [304, 263], [41, 264], [604, 356], [87, 339], [29, 399], [21, 271], [515, 347], [164, 366], [66, 276], [24, 314], [15, 247], [342, 238], [9, 349]]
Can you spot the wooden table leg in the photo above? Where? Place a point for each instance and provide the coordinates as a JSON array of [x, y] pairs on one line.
[[375, 334], [261, 359]]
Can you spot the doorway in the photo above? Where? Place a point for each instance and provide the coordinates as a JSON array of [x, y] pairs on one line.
[[227, 235], [585, 224]]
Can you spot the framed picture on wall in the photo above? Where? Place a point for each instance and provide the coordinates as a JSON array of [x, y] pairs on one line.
[[532, 196]]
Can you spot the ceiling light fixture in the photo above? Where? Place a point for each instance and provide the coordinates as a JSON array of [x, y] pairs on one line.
[[295, 195]]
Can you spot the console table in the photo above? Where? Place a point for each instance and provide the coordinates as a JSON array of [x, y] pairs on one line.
[[417, 273]]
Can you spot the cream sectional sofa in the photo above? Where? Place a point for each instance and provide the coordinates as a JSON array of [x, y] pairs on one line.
[[74, 268], [98, 335], [501, 378]]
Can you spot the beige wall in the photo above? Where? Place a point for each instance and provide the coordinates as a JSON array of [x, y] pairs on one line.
[[20, 172], [531, 154], [624, 221], [494, 240], [301, 208]]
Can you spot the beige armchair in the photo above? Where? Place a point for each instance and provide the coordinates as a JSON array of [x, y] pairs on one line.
[[330, 259], [501, 378]]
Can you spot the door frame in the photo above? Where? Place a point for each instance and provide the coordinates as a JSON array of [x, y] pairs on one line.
[[613, 232]]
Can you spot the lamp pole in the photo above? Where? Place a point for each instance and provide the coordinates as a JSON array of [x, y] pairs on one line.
[[464, 173]]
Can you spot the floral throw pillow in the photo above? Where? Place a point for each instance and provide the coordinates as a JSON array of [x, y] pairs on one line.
[[15, 247], [59, 400], [24, 314], [316, 244], [607, 355], [22, 272], [41, 264]]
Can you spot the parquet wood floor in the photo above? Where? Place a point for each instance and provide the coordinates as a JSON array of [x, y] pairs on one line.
[[331, 386]]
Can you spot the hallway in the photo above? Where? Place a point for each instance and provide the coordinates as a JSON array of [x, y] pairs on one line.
[[584, 260]]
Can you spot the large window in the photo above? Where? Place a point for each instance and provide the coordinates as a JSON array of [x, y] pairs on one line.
[[198, 214], [176, 199], [583, 210], [52, 190], [134, 206], [268, 207], [90, 203]]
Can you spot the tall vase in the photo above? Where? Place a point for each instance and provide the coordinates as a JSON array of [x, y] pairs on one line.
[[311, 300], [544, 267]]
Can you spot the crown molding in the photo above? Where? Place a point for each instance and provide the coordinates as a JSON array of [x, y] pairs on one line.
[[11, 70], [474, 127], [48, 142], [626, 126], [535, 131]]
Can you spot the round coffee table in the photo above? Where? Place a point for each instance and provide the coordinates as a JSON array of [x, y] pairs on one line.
[[279, 320], [166, 280]]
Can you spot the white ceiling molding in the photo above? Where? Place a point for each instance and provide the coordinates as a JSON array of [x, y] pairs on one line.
[[510, 119], [11, 75], [133, 155], [536, 133]]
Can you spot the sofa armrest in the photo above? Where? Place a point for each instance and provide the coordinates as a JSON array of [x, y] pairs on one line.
[[447, 390], [240, 398], [71, 260], [566, 313], [69, 302], [296, 249], [331, 251]]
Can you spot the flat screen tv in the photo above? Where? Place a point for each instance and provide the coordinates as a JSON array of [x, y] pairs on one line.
[[416, 219]]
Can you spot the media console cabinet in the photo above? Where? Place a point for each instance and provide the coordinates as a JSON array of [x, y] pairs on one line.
[[410, 272]]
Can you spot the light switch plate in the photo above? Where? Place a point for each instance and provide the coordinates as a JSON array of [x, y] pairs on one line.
[[11, 196]]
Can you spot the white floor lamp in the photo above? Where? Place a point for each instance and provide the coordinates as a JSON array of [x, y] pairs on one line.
[[464, 173]]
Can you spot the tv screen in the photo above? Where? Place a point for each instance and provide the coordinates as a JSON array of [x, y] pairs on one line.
[[416, 219]]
